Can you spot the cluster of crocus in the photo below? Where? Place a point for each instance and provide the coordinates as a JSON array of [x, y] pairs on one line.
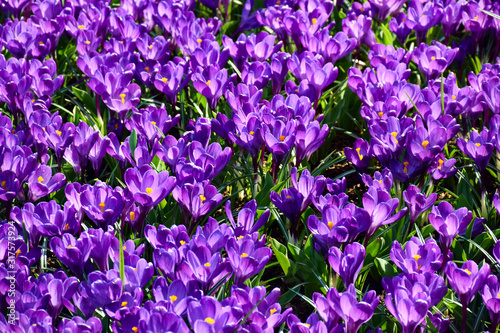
[[157, 79]]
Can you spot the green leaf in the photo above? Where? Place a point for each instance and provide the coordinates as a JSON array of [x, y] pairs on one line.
[[122, 260], [373, 250], [133, 142], [384, 268], [281, 253]]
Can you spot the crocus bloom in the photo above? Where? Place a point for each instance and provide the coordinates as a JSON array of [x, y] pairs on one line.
[[211, 83], [479, 147], [41, 182], [360, 155], [72, 253], [491, 298], [417, 257], [448, 222], [102, 288], [433, 59], [149, 187], [348, 264], [468, 280], [410, 297], [208, 315], [102, 204], [417, 202], [309, 138], [246, 259]]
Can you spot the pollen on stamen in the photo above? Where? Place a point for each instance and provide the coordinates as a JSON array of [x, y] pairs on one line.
[[202, 198], [251, 133], [149, 190], [18, 252], [425, 143], [59, 133], [314, 20], [467, 271], [122, 96], [244, 255], [282, 138], [87, 42], [173, 298], [164, 79], [124, 304], [81, 27], [330, 224], [208, 83], [359, 155], [440, 163], [40, 179], [207, 264], [132, 216], [209, 320], [150, 47], [405, 170], [478, 144], [102, 204]]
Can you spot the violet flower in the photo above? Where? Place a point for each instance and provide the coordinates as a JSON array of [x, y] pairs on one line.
[[417, 257], [348, 264], [491, 298]]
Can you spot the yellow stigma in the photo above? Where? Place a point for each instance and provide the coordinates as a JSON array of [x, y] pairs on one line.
[[478, 144], [102, 204], [81, 27], [18, 252], [147, 69], [66, 227], [122, 96], [467, 271], [69, 246], [182, 242], [475, 18], [440, 163], [124, 304], [423, 15], [208, 83], [425, 143], [40, 43], [272, 311], [380, 114], [405, 170], [282, 137], [87, 42], [251, 133], [198, 40], [135, 329], [164, 79], [3, 183], [207, 264], [202, 198], [278, 2], [277, 20], [40, 179], [150, 47], [173, 298], [394, 134], [359, 155], [288, 196], [433, 58], [239, 237], [149, 190], [330, 225], [59, 133], [453, 97], [132, 216], [124, 247], [307, 325], [244, 255], [314, 21], [210, 320], [416, 257]]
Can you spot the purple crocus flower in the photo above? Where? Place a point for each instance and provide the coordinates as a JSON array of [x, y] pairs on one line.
[[363, 155], [449, 223], [421, 18], [246, 259], [102, 288], [148, 187], [309, 138], [196, 200], [152, 122], [433, 59], [467, 281], [78, 152], [50, 220], [386, 7], [102, 204], [279, 139], [211, 83], [397, 25], [491, 299], [171, 79], [479, 147], [41, 183], [417, 257], [245, 223], [353, 312], [380, 206], [71, 252], [360, 28], [417, 202], [9, 186], [208, 315], [409, 297], [348, 264]]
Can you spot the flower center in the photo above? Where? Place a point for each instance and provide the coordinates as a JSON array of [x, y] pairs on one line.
[[453, 97], [359, 155], [81, 27], [425, 143], [440, 163], [122, 96], [182, 242], [102, 204], [59, 133], [405, 170], [207, 264], [467, 271], [330, 225], [433, 58], [202, 198], [199, 40], [147, 69], [173, 298], [244, 255], [18, 252], [87, 42], [124, 304], [380, 114], [251, 133], [478, 144], [164, 79], [416, 257], [132, 216], [40, 179], [272, 311], [135, 329], [149, 190], [210, 320], [208, 83], [314, 21], [282, 137]]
